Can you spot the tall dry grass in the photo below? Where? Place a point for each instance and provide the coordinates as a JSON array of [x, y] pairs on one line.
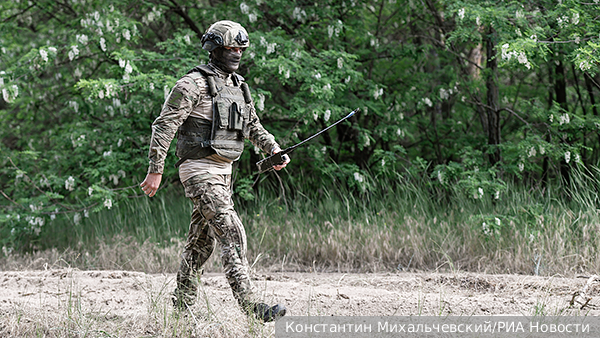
[[396, 225]]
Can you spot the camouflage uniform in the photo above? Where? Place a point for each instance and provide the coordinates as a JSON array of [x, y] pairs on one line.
[[213, 217]]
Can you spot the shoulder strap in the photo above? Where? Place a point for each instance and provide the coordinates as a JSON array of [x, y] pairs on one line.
[[204, 70], [208, 74]]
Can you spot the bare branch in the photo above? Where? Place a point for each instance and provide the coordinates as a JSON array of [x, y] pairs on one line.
[[16, 15]]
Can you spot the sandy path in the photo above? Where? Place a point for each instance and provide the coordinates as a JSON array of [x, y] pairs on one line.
[[58, 303]]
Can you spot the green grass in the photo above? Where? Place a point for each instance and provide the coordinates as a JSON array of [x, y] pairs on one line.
[[398, 224]]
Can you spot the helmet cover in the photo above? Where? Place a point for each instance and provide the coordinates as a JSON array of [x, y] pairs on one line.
[[225, 33]]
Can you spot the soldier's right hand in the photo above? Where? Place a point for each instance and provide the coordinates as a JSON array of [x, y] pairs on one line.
[[151, 183]]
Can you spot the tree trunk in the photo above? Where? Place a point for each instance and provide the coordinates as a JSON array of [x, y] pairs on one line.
[[590, 90], [560, 90], [546, 162], [493, 113]]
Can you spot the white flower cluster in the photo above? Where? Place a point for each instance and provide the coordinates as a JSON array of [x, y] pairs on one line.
[[270, 46], [521, 56], [260, 104], [327, 115], [427, 101], [94, 22], [461, 13], [567, 156], [166, 91], [244, 8], [563, 21], [74, 105], [377, 93], [82, 39], [252, 16], [34, 221], [299, 14], [151, 16], [114, 178], [519, 14], [128, 69], [284, 71], [334, 30], [107, 91], [70, 183], [575, 18], [74, 52], [478, 194], [126, 34], [78, 142], [44, 55], [10, 95], [358, 177], [584, 65], [108, 203], [486, 229], [445, 93], [564, 119], [340, 63]]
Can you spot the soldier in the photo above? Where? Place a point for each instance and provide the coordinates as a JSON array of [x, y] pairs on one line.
[[212, 112]]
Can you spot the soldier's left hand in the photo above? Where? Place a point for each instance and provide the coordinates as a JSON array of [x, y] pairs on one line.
[[286, 159]]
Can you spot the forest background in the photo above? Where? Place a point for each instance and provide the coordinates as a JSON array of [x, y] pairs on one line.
[[476, 147]]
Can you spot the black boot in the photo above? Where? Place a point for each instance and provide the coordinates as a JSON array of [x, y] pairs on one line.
[[265, 313], [181, 300]]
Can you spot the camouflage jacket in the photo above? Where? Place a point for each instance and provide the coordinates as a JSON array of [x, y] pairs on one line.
[[189, 98]]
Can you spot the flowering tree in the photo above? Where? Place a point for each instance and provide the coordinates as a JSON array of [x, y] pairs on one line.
[[472, 93]]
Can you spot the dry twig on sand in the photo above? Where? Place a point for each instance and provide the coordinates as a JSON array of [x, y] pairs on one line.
[[581, 297]]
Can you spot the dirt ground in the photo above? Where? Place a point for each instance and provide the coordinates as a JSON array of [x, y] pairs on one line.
[[70, 302]]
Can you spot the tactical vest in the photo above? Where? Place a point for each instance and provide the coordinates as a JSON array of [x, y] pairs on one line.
[[198, 138]]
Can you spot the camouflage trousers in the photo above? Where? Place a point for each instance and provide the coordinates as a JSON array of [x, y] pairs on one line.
[[214, 220]]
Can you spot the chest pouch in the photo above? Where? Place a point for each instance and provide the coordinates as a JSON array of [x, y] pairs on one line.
[[231, 112], [236, 117]]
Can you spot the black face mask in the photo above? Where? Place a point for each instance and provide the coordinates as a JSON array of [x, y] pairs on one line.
[[227, 60]]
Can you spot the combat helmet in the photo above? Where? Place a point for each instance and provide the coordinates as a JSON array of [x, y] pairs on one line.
[[225, 33]]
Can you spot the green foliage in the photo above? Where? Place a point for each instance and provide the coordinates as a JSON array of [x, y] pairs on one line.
[[82, 82]]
